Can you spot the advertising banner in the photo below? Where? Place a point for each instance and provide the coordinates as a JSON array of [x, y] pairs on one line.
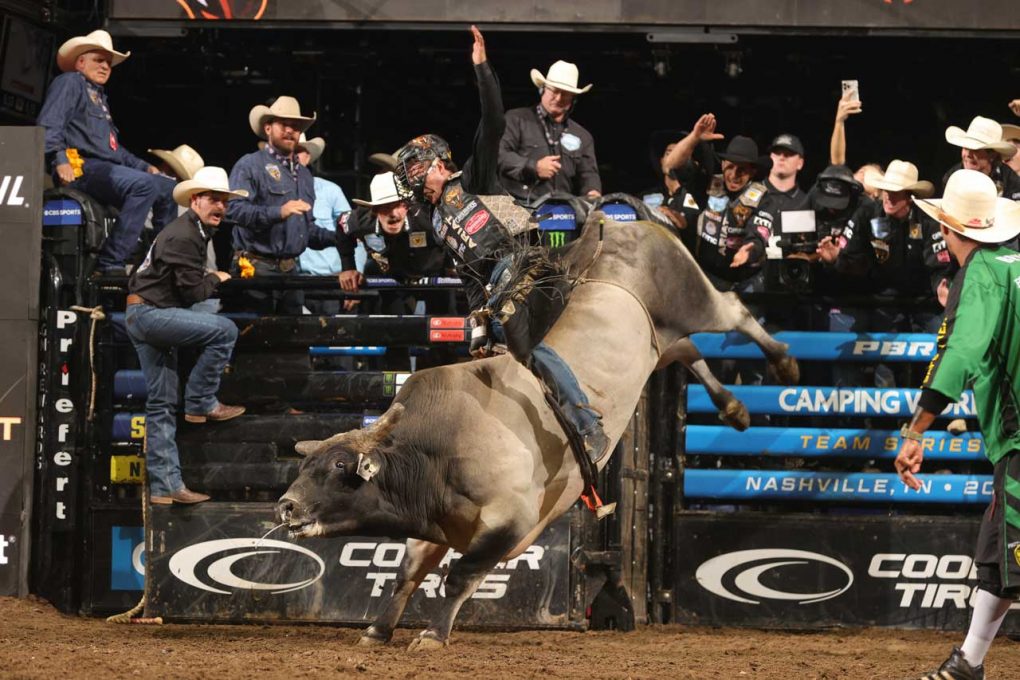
[[217, 563], [810, 572]]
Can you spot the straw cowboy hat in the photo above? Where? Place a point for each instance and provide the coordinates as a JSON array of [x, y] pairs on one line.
[[971, 207], [982, 133], [314, 146], [383, 189], [562, 75], [209, 178], [901, 176], [183, 160], [100, 40], [283, 107], [1010, 132]]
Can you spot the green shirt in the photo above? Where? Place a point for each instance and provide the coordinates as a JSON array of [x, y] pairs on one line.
[[979, 345]]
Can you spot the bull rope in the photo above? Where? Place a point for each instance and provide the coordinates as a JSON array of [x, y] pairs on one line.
[[96, 315], [130, 615]]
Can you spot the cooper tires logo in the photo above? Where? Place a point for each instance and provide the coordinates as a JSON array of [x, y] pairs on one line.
[[194, 565], [743, 570]]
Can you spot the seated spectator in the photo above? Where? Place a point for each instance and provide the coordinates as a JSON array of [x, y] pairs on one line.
[[330, 204], [83, 150], [982, 148], [543, 148], [274, 223], [735, 226], [173, 277], [910, 255]]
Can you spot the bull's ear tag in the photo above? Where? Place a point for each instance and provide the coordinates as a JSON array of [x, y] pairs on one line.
[[366, 467]]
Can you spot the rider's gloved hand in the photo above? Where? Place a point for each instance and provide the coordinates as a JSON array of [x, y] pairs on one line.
[[481, 341]]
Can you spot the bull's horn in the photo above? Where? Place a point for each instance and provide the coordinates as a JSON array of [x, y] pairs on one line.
[[307, 447], [387, 421]]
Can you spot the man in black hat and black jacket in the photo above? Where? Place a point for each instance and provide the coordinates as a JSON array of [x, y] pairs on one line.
[[736, 224]]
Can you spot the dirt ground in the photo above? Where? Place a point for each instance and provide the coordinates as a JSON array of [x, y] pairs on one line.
[[38, 642]]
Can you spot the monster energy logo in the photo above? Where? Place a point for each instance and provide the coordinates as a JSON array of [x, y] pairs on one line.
[[556, 239]]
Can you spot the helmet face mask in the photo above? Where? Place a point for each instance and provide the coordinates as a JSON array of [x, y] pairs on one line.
[[414, 160]]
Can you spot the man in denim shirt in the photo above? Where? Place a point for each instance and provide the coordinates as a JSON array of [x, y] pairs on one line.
[[83, 150], [275, 223]]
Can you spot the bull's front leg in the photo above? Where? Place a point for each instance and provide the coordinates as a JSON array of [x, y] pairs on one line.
[[466, 574], [420, 557]]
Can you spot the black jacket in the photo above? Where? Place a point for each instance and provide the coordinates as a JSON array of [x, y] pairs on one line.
[[480, 173], [173, 273], [415, 251], [525, 142]]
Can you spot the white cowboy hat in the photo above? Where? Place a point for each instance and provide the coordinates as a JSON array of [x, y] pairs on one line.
[[183, 160], [982, 133], [100, 40], [283, 107], [314, 146], [900, 176], [971, 207], [383, 189], [562, 75], [209, 178]]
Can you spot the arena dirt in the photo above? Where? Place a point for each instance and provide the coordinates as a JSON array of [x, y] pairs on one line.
[[38, 642]]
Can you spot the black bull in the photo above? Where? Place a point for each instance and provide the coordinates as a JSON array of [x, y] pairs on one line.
[[470, 456]]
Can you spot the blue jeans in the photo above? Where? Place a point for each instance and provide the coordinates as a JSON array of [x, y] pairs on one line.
[[551, 369], [156, 334], [134, 193]]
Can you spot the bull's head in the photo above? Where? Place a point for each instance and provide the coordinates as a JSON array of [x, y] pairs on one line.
[[333, 489]]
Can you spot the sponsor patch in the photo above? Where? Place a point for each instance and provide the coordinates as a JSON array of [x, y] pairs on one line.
[[942, 256], [881, 250], [274, 171], [375, 242], [1016, 554], [344, 222], [570, 141], [476, 221], [752, 196], [915, 231], [689, 202], [417, 239], [454, 197]]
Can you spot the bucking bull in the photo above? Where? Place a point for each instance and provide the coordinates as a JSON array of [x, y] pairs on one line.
[[470, 456]]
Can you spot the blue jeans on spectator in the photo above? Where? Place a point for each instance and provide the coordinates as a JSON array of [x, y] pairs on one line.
[[133, 193], [156, 334]]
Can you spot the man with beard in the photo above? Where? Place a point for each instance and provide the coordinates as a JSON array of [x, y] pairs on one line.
[[158, 319], [274, 223], [736, 225], [982, 148]]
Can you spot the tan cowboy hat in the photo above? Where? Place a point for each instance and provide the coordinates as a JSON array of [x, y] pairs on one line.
[[283, 107], [562, 75], [900, 176], [314, 146], [971, 207], [209, 178], [1010, 132], [386, 161], [99, 40], [383, 189], [982, 133], [183, 160]]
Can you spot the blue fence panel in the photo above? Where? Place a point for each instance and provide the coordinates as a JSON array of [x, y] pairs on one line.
[[808, 442], [870, 347], [805, 401], [786, 485]]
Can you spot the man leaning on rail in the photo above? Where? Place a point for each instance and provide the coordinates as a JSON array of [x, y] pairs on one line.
[[979, 345], [171, 279]]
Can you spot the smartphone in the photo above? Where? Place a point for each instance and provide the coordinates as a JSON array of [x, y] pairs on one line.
[[852, 87]]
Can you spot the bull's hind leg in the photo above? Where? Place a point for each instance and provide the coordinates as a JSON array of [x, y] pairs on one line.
[[782, 364], [466, 574], [731, 410], [420, 557]]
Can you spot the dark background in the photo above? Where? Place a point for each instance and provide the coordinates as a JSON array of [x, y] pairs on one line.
[[375, 88]]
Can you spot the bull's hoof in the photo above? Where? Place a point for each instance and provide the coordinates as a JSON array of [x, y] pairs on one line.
[[786, 370], [373, 638], [427, 642], [735, 415]]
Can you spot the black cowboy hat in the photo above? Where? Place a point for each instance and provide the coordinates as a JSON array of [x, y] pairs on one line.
[[741, 150]]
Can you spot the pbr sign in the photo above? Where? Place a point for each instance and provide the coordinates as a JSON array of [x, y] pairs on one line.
[[219, 564], [818, 572]]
